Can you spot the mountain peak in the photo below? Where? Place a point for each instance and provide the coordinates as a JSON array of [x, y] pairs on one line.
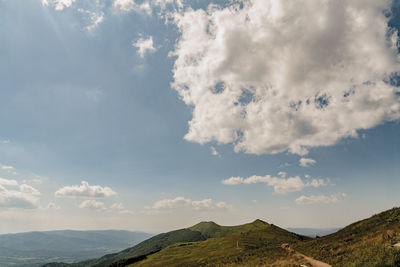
[[259, 222]]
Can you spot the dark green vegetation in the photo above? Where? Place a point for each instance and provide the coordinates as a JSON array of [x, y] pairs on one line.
[[36, 248], [364, 243]]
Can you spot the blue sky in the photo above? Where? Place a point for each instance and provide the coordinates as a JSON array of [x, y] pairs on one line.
[[154, 142]]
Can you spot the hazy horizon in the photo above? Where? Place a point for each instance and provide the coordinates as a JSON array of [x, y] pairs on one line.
[[154, 115]]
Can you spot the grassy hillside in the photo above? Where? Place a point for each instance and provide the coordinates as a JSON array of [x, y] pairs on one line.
[[364, 243], [252, 244], [148, 246], [229, 241]]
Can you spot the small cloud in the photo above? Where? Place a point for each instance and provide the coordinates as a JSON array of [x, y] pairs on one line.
[[92, 204], [306, 200], [282, 174], [95, 18], [214, 151], [52, 206], [8, 182], [131, 5], [283, 165], [85, 190], [186, 203], [117, 206], [319, 183], [144, 46], [6, 167], [58, 4], [306, 162], [280, 185], [29, 190]]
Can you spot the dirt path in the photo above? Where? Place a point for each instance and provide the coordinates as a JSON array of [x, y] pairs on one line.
[[313, 262]]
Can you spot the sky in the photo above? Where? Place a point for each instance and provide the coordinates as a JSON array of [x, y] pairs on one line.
[[154, 115]]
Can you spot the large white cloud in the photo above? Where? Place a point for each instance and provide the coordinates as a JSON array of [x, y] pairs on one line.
[[85, 190], [286, 75], [281, 185]]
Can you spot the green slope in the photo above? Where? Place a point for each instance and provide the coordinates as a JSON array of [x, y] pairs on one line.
[[255, 244], [364, 243], [148, 246], [250, 236]]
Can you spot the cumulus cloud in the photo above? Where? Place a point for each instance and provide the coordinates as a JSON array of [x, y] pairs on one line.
[[85, 190], [24, 188], [18, 199], [306, 162], [8, 182], [274, 76], [281, 185], [304, 200], [187, 203], [58, 4], [144, 46], [92, 204], [131, 5]]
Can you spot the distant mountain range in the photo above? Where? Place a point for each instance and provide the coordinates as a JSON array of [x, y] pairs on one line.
[[313, 232], [37, 248], [371, 242]]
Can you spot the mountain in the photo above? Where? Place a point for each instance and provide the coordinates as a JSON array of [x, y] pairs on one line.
[[201, 239], [254, 244], [369, 242], [36, 248]]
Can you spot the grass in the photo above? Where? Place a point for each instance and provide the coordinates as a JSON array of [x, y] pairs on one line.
[[364, 243]]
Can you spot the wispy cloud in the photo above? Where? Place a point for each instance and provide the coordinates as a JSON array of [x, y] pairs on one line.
[[313, 199]]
